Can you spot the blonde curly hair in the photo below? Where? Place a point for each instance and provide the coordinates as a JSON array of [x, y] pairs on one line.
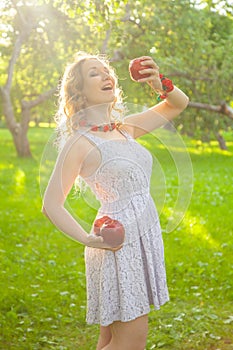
[[71, 100]]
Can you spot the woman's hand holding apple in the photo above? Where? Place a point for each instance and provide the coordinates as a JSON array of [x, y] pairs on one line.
[[112, 231], [145, 70]]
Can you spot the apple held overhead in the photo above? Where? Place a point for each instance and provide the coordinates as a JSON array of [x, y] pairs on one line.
[[134, 68]]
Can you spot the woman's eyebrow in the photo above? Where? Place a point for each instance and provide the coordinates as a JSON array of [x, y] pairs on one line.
[[94, 67]]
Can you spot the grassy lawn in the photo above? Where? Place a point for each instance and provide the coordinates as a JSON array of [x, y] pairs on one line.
[[42, 271]]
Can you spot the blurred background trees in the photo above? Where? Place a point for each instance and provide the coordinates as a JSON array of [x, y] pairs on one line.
[[192, 41]]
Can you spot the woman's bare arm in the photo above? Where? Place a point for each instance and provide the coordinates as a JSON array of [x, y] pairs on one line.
[[158, 115], [67, 168], [175, 102]]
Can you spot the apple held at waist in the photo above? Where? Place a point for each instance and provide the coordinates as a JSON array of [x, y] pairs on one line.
[[111, 230]]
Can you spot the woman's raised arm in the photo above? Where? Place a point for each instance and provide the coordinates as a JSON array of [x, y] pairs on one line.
[[176, 101]]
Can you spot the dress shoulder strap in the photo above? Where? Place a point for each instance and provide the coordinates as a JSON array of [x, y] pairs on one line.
[[125, 133], [94, 139]]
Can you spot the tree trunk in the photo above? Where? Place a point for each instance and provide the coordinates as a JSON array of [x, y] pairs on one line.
[[221, 141], [17, 130], [21, 142]]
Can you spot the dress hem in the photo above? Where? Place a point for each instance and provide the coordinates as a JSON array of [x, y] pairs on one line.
[[146, 312]]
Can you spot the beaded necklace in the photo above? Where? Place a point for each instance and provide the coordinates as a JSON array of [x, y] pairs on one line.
[[102, 127]]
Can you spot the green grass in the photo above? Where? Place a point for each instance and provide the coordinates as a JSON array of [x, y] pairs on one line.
[[42, 271]]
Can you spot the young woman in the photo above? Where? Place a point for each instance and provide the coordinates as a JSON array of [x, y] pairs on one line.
[[124, 281]]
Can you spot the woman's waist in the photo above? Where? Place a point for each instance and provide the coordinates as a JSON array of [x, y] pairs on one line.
[[139, 213], [117, 198], [137, 202]]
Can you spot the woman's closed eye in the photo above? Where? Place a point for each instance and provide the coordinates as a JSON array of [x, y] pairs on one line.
[[93, 74]]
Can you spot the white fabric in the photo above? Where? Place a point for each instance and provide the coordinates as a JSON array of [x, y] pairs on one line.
[[122, 285]]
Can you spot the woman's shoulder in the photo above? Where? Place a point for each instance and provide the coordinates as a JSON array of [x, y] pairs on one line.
[[77, 144]]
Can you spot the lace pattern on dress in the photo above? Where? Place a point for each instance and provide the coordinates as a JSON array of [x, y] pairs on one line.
[[122, 285]]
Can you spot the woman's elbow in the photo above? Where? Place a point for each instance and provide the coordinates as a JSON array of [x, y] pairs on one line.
[[47, 207], [51, 209], [186, 101], [43, 211]]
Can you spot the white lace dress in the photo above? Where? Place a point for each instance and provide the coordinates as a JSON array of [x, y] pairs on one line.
[[122, 285]]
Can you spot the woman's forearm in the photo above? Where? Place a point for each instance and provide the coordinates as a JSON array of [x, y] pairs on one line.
[[177, 99], [62, 219]]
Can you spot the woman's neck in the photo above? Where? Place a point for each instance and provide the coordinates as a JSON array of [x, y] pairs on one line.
[[97, 115]]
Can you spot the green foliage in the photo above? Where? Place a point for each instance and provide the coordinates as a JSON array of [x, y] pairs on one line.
[[190, 40], [42, 271]]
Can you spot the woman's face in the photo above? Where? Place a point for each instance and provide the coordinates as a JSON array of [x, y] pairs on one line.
[[99, 85]]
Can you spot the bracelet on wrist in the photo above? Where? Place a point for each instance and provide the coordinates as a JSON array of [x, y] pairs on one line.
[[167, 87]]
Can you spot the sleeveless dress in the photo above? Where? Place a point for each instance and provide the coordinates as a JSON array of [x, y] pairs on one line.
[[122, 285]]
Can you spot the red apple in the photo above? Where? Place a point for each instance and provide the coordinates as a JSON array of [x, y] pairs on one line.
[[99, 223], [112, 231], [135, 66]]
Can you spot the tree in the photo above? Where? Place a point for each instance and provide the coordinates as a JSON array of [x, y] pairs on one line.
[[193, 46], [25, 23], [50, 26]]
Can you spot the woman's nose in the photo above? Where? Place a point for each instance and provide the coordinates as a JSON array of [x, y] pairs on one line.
[[105, 76]]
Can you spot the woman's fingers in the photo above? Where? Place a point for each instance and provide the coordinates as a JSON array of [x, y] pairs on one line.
[[149, 67], [152, 69], [153, 75], [95, 241], [144, 58], [150, 63], [115, 249]]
